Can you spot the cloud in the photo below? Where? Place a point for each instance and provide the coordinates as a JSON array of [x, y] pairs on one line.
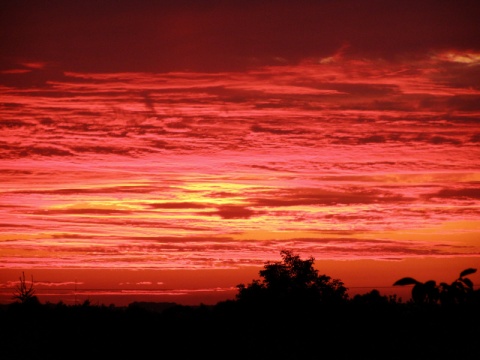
[[80, 211], [235, 212], [306, 196], [101, 149], [261, 129], [41, 283], [179, 241], [43, 151], [178, 205], [90, 190], [10, 225], [455, 193], [169, 36], [372, 139], [467, 57], [464, 102], [439, 140], [11, 124], [475, 138]]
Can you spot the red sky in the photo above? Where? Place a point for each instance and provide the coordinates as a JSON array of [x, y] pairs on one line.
[[166, 150]]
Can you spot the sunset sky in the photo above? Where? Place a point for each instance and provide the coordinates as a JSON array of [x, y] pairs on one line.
[[165, 150]]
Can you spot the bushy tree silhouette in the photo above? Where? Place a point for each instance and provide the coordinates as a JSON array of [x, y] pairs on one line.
[[292, 280]]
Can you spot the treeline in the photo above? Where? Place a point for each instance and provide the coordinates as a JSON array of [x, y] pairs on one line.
[[293, 312]]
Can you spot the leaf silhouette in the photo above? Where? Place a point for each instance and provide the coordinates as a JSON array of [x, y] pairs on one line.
[[406, 281], [468, 282], [467, 272]]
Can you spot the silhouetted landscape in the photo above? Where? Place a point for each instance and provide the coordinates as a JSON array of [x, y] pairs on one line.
[[292, 312]]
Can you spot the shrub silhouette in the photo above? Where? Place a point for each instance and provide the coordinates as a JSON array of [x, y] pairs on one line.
[[459, 291], [24, 293], [292, 280], [374, 298]]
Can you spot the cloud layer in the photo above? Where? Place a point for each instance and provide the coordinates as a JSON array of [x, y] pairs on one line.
[[140, 160], [212, 35]]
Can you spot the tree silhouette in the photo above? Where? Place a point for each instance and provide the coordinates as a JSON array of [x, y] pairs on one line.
[[23, 292], [292, 280]]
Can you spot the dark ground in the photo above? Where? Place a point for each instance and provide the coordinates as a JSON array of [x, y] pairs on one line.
[[229, 330]]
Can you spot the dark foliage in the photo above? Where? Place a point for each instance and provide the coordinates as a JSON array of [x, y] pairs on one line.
[[292, 281], [458, 292], [293, 313]]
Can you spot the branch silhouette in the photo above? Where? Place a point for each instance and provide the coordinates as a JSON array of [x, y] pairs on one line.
[[23, 292]]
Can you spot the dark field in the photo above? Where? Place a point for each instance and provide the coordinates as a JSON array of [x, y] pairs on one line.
[[229, 330]]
